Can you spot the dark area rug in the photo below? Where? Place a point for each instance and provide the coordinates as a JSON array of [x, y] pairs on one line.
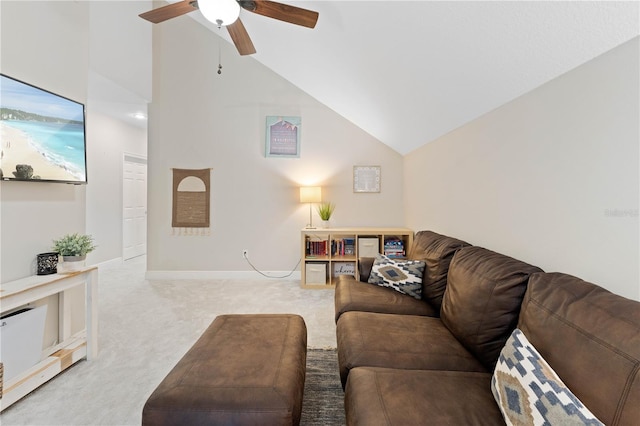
[[323, 401]]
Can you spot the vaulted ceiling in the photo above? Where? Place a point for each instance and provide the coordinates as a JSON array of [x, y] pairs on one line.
[[408, 72]]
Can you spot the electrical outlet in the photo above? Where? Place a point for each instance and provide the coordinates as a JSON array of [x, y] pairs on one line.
[[245, 253]]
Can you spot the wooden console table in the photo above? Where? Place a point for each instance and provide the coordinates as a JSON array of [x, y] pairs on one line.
[[70, 347]]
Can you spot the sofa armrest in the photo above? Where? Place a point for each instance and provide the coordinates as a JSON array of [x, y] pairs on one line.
[[364, 267]]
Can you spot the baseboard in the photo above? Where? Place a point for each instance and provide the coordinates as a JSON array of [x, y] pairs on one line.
[[213, 275]]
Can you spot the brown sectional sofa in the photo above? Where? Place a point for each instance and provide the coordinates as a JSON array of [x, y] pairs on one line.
[[434, 249], [401, 363]]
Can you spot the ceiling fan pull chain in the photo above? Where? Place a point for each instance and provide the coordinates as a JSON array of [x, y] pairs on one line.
[[219, 58]]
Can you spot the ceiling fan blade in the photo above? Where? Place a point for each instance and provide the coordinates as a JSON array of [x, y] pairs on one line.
[[169, 11], [282, 12], [241, 38]]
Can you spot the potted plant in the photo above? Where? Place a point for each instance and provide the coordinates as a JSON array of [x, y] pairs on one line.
[[325, 210], [74, 248]]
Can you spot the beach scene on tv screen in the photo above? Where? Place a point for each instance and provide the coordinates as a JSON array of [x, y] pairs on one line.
[[41, 134]]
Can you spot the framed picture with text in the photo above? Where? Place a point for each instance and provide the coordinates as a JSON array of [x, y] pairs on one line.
[[283, 136], [366, 178], [344, 268]]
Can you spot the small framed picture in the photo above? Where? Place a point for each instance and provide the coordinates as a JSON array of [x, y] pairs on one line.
[[283, 136], [366, 178], [344, 268]]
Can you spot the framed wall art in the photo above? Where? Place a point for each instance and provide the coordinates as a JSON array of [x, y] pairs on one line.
[[191, 202], [366, 178], [283, 136]]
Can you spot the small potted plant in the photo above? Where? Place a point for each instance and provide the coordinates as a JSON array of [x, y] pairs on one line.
[[74, 248], [325, 210]]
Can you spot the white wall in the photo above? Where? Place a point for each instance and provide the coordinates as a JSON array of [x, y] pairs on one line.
[[199, 119], [110, 140], [551, 178], [56, 46], [119, 85], [44, 44], [121, 44]]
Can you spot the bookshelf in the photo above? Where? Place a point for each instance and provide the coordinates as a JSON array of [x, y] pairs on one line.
[[330, 252]]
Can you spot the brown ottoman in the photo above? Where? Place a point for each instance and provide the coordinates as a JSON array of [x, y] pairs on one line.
[[244, 370]]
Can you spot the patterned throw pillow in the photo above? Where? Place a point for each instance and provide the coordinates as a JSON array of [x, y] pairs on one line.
[[529, 392], [404, 276]]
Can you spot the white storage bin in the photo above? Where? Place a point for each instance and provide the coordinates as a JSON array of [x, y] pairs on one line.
[[21, 335], [316, 273], [368, 247]]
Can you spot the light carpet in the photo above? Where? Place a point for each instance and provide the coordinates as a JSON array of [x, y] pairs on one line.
[[145, 327]]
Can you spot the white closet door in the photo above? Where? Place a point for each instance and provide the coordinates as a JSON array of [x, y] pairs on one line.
[[134, 215]]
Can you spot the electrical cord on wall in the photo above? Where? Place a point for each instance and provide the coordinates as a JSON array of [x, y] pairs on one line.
[[270, 276]]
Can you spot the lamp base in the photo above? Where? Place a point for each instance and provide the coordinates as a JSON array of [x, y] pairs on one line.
[[309, 227]]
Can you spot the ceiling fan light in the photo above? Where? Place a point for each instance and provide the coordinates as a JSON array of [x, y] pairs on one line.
[[220, 12]]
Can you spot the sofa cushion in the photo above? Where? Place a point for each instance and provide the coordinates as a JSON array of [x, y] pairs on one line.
[[383, 396], [403, 276], [591, 338], [529, 392], [436, 251], [352, 295], [408, 342], [482, 301], [364, 268]]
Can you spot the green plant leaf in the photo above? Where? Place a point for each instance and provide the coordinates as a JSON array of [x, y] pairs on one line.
[[74, 245], [325, 210]]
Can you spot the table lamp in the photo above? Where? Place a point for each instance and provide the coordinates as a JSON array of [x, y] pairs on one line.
[[310, 194]]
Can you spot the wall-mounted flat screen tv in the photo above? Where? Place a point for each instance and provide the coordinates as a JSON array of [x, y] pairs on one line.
[[42, 135]]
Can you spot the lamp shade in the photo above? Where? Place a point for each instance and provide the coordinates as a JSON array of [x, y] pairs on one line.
[[220, 12], [310, 194]]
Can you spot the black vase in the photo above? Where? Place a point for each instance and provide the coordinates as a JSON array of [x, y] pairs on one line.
[[47, 263]]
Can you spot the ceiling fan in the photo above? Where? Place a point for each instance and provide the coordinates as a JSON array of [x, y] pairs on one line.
[[225, 13]]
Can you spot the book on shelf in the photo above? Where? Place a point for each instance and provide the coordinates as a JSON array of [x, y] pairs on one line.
[[343, 247], [349, 246], [394, 247], [316, 248]]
